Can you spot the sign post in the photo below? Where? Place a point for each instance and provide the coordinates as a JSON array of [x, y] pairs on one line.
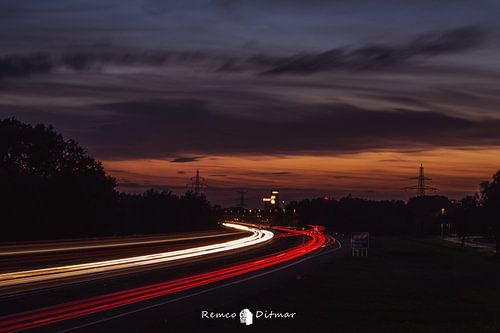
[[360, 242]]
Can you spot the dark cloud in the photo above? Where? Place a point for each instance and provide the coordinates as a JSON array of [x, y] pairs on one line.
[[83, 59], [139, 187], [393, 160], [281, 173], [364, 58], [452, 41], [163, 128], [93, 59], [346, 177], [186, 159], [378, 57], [86, 60], [131, 185], [27, 7], [24, 65]]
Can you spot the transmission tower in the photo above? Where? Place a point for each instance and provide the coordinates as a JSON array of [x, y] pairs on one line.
[[197, 183], [421, 183], [241, 198]]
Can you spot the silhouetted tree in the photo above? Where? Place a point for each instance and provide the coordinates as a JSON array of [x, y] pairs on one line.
[[48, 184], [353, 214], [490, 196], [51, 188], [464, 215], [428, 214]]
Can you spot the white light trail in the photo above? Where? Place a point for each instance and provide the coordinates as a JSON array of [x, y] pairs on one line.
[[106, 245], [36, 275]]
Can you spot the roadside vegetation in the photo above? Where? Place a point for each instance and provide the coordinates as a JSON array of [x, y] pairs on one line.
[[473, 215], [50, 188]]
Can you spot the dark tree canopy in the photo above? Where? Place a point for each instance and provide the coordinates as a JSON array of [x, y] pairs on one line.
[[421, 215], [490, 193], [52, 188], [354, 214], [490, 196], [38, 155]]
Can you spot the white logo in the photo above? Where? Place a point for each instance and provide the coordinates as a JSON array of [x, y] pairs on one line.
[[246, 317]]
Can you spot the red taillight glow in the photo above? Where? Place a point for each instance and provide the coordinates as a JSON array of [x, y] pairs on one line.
[[50, 315]]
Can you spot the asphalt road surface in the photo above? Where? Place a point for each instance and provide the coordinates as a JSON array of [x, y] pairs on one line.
[[150, 299]]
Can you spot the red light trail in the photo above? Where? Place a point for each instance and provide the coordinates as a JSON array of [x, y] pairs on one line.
[[65, 311]]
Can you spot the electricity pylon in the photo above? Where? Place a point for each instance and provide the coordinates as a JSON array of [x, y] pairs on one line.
[[421, 183], [241, 198], [197, 183]]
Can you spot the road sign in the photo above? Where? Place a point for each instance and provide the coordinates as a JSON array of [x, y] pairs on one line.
[[360, 240]]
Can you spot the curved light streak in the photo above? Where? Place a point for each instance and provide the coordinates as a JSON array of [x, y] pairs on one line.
[[106, 245], [58, 313], [36, 275]]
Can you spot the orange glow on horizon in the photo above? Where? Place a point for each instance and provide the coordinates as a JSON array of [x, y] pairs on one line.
[[369, 174]]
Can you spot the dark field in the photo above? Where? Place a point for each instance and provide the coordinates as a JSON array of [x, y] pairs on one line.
[[406, 285]]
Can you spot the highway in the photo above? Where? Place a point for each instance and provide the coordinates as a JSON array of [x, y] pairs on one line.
[[194, 270], [78, 245], [61, 272]]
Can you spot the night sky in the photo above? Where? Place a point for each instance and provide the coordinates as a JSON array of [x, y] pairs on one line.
[[313, 97]]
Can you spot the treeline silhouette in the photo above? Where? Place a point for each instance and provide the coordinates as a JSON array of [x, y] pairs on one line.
[[419, 215], [51, 188], [477, 215]]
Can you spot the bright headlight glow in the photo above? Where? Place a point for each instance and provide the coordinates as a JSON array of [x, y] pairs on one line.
[[36, 275]]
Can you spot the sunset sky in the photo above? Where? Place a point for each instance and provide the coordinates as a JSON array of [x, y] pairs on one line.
[[312, 97]]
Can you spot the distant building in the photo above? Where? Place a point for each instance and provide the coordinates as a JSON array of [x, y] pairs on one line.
[[273, 201]]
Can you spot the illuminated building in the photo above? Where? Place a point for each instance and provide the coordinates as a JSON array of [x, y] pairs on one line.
[[273, 201]]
